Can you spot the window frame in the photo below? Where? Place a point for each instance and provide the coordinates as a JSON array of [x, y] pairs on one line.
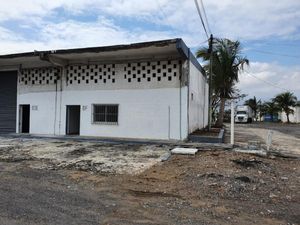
[[104, 122]]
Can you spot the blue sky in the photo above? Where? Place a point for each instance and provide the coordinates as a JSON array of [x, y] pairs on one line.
[[269, 31]]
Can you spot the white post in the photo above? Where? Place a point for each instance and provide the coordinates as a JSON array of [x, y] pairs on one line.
[[269, 140], [232, 124]]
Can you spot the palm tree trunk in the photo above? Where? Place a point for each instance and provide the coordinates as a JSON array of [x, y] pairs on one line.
[[287, 116], [221, 113]]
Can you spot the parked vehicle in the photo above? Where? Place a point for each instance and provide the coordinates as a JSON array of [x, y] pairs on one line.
[[243, 114]]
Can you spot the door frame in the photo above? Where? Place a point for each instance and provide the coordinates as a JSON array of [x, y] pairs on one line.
[[21, 110], [67, 119]]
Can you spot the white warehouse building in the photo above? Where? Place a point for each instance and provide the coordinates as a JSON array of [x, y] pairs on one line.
[[294, 117], [150, 90]]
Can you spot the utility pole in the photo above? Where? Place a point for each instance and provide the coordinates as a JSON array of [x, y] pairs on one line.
[[232, 123], [210, 51]]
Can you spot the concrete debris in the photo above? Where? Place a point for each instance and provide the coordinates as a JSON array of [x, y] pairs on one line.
[[184, 151], [254, 145], [273, 195], [260, 152], [165, 157]]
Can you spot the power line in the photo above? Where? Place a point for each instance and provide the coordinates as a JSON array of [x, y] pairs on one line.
[[203, 42], [280, 44], [210, 40], [204, 12], [274, 53], [270, 43], [200, 15], [267, 82]]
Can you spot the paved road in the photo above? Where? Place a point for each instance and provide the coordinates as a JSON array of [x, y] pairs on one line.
[[285, 138], [289, 129]]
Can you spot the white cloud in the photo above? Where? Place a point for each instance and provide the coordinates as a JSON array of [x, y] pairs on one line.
[[74, 34], [6, 34], [256, 19], [247, 20], [268, 79], [251, 20], [19, 9]]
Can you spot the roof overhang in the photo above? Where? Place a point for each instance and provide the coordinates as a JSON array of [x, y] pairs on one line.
[[154, 50]]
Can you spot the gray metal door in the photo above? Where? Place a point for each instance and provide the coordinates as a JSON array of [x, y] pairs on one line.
[[8, 101]]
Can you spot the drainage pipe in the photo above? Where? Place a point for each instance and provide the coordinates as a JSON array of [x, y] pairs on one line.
[[61, 63]]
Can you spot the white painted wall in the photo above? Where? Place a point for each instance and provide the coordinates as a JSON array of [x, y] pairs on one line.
[[198, 99], [142, 113], [184, 113], [42, 119], [294, 118], [143, 106]]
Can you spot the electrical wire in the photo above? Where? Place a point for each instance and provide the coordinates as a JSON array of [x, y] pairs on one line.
[[267, 82], [201, 18], [205, 16], [274, 53], [270, 43], [203, 42]]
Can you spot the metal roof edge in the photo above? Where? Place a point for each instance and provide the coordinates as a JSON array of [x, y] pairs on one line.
[[95, 49], [187, 54]]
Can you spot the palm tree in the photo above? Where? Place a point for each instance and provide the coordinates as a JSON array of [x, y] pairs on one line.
[[227, 62], [270, 108], [285, 101], [261, 109], [254, 105]]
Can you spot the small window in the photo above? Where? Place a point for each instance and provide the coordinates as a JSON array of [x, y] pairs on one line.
[[105, 114]]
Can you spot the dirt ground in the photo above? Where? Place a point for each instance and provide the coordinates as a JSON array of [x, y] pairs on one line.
[[82, 155], [49, 182], [213, 187]]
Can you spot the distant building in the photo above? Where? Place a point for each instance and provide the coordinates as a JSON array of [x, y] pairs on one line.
[[151, 90], [294, 118], [271, 117]]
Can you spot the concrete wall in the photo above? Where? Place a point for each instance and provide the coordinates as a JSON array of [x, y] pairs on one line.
[[198, 99], [42, 111], [149, 96], [142, 113], [294, 118]]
